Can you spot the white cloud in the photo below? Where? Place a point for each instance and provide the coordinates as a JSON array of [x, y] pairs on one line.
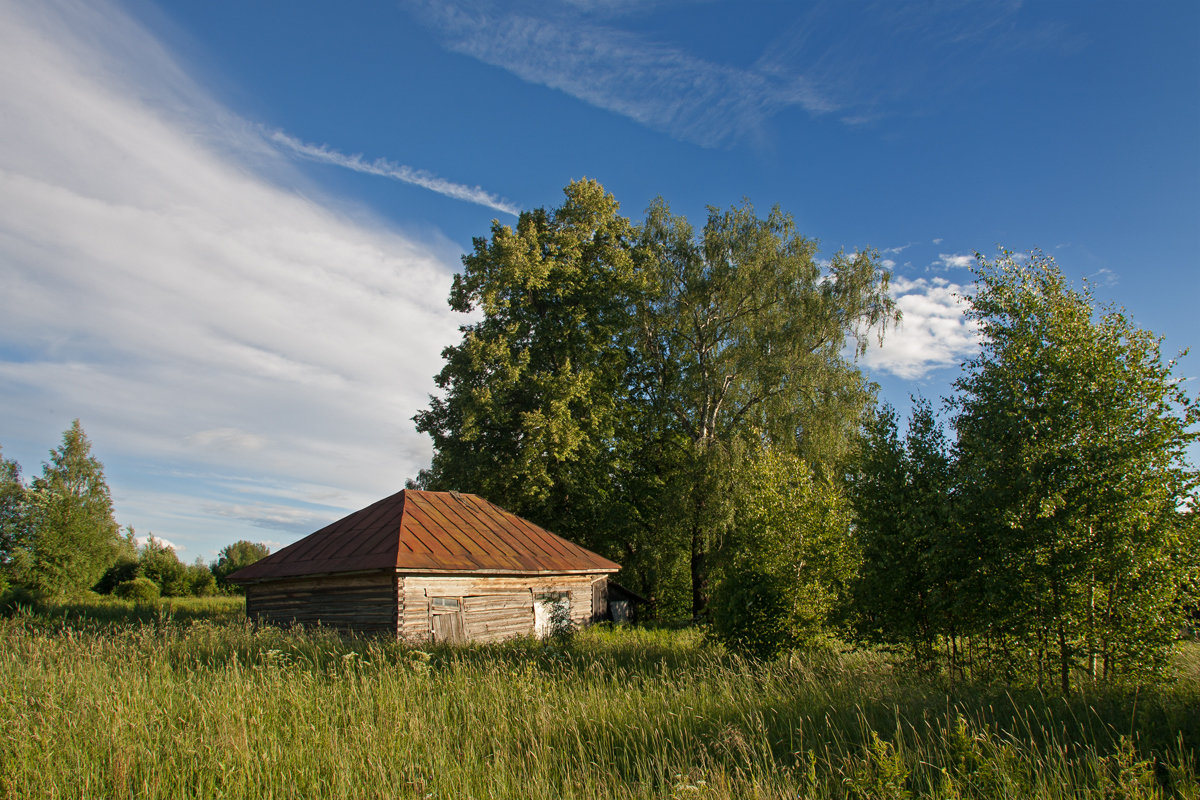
[[932, 334], [388, 169], [955, 261], [196, 314], [142, 541], [658, 85]]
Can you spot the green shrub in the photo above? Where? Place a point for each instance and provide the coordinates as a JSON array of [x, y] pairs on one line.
[[751, 614], [126, 569], [15, 596], [201, 581], [140, 590]]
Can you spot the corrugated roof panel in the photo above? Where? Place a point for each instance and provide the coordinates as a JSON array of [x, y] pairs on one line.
[[475, 526], [494, 519], [441, 528], [418, 530]]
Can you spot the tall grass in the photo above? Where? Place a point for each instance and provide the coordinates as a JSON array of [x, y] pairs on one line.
[[174, 708]]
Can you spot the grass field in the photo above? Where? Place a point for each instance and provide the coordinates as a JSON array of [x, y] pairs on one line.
[[116, 701]]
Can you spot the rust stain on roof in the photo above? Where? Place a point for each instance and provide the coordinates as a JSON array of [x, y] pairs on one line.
[[428, 531]]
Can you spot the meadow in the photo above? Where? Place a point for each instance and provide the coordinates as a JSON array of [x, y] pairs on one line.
[[187, 700]]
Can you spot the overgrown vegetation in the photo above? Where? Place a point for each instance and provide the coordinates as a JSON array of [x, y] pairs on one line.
[[59, 539], [618, 374], [686, 403], [1056, 539], [176, 705]]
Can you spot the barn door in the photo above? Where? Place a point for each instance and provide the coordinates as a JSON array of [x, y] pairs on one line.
[[600, 600], [446, 619]]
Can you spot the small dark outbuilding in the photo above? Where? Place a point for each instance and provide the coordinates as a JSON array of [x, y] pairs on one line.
[[439, 566]]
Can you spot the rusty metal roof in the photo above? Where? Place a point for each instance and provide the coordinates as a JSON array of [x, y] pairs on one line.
[[428, 532]]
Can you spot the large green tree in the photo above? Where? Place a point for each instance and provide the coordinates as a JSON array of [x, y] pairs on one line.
[[1072, 437], [744, 334], [614, 370], [233, 557], [901, 492], [158, 562], [72, 537], [533, 410]]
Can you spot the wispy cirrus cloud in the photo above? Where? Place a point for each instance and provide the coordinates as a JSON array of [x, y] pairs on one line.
[[659, 85], [390, 169], [296, 521], [173, 281], [857, 59]]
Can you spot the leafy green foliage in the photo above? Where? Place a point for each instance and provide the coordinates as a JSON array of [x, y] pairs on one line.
[[1072, 437], [742, 334], [159, 563], [125, 569], [530, 416], [200, 580], [905, 592], [788, 560], [13, 501], [615, 370], [233, 557], [561, 626], [139, 590], [70, 536]]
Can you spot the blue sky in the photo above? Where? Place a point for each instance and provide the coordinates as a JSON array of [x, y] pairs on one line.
[[229, 228]]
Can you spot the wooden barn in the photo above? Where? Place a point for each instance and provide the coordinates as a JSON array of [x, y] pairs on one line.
[[429, 565]]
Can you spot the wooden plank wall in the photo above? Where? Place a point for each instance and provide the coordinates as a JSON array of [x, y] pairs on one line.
[[494, 608], [363, 603]]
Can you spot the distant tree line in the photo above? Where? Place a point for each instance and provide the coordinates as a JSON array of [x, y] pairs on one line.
[[688, 403], [59, 539]]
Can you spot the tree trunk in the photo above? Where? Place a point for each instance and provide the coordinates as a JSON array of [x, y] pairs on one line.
[[699, 574], [1091, 627], [1064, 666]]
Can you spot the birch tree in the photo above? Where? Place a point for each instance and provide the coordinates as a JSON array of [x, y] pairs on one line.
[[742, 330], [1072, 437]]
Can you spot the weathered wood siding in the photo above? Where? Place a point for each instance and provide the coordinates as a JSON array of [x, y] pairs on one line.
[[362, 603], [493, 608]]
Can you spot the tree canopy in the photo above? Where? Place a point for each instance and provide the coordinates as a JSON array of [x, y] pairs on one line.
[[1072, 438], [69, 536], [12, 509], [788, 559], [901, 493], [742, 335], [233, 557], [616, 367], [534, 395]]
